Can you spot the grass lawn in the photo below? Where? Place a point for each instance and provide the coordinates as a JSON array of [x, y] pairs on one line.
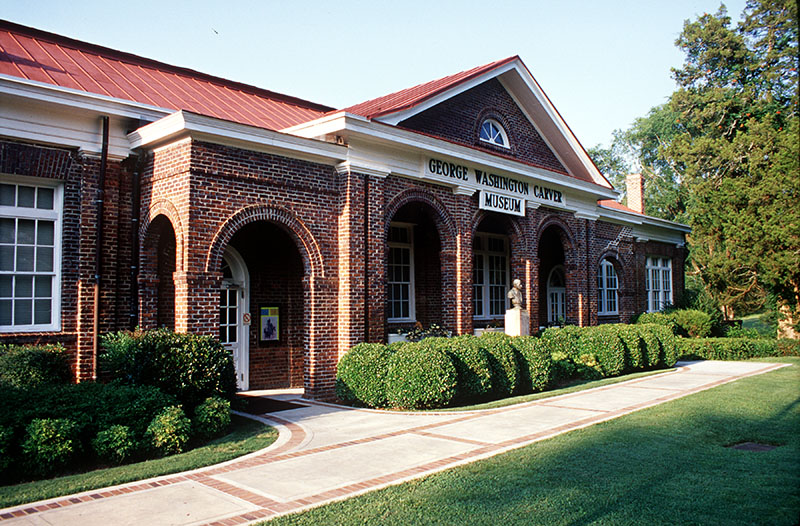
[[663, 465], [246, 436]]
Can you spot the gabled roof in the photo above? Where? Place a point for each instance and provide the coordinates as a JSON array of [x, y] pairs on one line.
[[515, 77], [53, 59], [410, 97]]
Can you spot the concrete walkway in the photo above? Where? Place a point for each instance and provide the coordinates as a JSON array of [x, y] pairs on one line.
[[326, 453]]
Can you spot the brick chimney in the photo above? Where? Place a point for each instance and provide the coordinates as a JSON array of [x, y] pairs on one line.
[[634, 184]]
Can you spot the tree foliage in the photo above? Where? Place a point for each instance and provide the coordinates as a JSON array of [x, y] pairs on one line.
[[722, 154], [737, 150]]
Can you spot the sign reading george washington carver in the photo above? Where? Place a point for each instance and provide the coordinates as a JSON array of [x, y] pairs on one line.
[[497, 192]]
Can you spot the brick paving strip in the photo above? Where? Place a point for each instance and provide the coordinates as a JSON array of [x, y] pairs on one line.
[[326, 453]]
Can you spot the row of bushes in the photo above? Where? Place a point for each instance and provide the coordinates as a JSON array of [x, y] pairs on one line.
[[436, 372], [53, 427], [157, 379], [688, 323], [736, 348]]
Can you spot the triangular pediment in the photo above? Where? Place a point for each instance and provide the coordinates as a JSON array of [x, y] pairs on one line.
[[454, 107]]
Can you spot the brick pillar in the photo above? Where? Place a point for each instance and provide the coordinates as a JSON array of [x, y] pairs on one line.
[[197, 302], [351, 283]]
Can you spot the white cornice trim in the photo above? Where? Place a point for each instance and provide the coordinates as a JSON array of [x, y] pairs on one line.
[[351, 166], [638, 219], [183, 124], [349, 125], [73, 98]]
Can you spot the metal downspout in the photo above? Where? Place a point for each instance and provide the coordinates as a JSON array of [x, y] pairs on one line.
[[101, 183]]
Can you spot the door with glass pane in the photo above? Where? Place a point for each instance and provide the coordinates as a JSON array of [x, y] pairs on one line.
[[556, 297], [233, 309]]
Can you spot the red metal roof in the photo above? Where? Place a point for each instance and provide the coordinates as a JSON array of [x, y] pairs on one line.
[[408, 98], [610, 203], [45, 57]]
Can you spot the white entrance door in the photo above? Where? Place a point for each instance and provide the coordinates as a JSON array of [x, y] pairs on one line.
[[556, 297], [233, 310]]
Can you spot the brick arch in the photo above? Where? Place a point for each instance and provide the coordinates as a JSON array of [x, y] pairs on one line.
[[302, 236], [612, 256], [517, 232], [566, 235], [170, 212], [444, 222]]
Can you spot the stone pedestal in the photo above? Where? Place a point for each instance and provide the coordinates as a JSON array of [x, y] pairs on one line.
[[518, 322]]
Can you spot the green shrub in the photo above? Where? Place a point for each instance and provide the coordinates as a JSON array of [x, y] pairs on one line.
[[503, 362], [652, 345], [50, 444], [728, 348], [668, 341], [420, 377], [361, 375], [537, 370], [212, 418], [786, 347], [692, 323], [562, 340], [657, 318], [602, 349], [635, 347], [563, 366], [169, 431], [474, 376], [188, 366], [6, 444], [114, 444], [33, 365], [736, 331]]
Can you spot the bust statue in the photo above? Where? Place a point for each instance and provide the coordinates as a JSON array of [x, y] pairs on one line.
[[515, 294]]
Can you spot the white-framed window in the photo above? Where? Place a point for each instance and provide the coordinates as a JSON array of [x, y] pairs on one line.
[[401, 272], [658, 283], [490, 276], [607, 287], [30, 254], [493, 133], [556, 296]]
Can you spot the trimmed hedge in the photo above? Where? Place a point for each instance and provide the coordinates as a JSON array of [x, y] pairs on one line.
[[669, 350], [693, 323], [168, 433], [188, 366], [563, 340], [652, 346], [420, 377], [727, 348], [473, 371], [505, 366], [50, 444], [537, 371], [361, 375], [601, 348], [33, 365], [635, 347]]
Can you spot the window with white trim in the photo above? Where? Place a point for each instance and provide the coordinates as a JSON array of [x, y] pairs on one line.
[[490, 276], [30, 256], [658, 283], [401, 272], [493, 133], [607, 287]]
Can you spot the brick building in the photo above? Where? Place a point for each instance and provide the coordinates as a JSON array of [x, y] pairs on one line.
[[135, 193]]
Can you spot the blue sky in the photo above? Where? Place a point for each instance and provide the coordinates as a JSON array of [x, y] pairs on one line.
[[601, 63]]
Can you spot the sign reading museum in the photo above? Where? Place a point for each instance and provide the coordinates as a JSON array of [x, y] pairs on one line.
[[497, 192]]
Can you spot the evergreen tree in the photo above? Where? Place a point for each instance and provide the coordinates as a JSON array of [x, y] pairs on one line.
[[736, 152]]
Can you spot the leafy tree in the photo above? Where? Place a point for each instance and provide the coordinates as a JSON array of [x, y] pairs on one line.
[[736, 150]]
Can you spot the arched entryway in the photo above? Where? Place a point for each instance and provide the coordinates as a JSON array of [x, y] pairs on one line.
[[262, 275], [553, 277], [157, 283], [414, 268], [496, 261]]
